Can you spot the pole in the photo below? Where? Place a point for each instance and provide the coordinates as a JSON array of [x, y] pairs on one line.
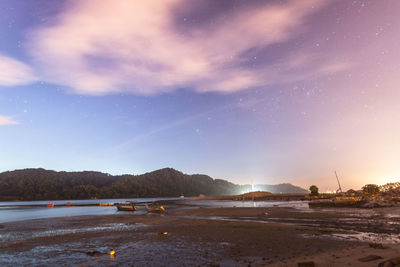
[[337, 178]]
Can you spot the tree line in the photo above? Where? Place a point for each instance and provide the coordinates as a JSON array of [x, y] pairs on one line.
[[40, 184]]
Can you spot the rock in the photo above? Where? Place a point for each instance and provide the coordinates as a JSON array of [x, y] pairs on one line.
[[93, 253], [377, 246], [386, 264], [306, 264], [390, 263], [395, 260], [370, 205], [371, 257]]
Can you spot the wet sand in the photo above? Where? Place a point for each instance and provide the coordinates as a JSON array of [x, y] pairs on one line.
[[349, 256], [197, 237]]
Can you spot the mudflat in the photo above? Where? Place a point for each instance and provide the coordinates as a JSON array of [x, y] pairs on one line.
[[201, 236]]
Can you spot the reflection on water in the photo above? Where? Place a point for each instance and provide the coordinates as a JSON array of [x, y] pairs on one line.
[[28, 213], [28, 210], [80, 202], [22, 235], [301, 205], [369, 237]]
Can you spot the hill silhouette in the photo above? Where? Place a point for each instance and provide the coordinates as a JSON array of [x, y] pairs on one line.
[[280, 188], [41, 184]]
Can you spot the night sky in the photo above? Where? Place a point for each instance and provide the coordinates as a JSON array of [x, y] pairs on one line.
[[249, 91]]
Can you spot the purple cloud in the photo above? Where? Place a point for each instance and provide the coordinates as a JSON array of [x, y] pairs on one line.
[[137, 46], [14, 72]]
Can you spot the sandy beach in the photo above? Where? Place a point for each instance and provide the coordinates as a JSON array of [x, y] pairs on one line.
[[201, 236]]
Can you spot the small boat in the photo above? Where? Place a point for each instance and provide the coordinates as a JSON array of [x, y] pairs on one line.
[[155, 208], [126, 207]]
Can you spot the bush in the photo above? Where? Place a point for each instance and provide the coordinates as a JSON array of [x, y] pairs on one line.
[[314, 190], [370, 189]]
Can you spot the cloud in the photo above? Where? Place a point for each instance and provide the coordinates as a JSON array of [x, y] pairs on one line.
[[139, 46], [14, 72], [4, 120]]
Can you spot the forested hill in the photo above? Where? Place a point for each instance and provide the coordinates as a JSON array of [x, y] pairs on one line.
[[40, 184]]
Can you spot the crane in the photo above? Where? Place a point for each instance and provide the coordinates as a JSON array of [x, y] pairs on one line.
[[340, 188]]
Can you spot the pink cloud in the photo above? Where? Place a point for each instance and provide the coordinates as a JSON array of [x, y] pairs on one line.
[[4, 120], [14, 72], [100, 47]]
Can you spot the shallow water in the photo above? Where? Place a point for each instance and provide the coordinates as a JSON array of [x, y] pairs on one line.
[[16, 236], [81, 202], [368, 237], [301, 205], [28, 210]]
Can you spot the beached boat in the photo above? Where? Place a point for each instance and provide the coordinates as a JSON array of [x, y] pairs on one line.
[[155, 208], [126, 207]]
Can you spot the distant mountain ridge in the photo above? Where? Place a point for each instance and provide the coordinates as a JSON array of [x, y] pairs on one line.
[[41, 184], [280, 188]]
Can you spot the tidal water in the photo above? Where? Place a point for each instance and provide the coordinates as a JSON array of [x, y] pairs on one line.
[[28, 210], [301, 205]]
